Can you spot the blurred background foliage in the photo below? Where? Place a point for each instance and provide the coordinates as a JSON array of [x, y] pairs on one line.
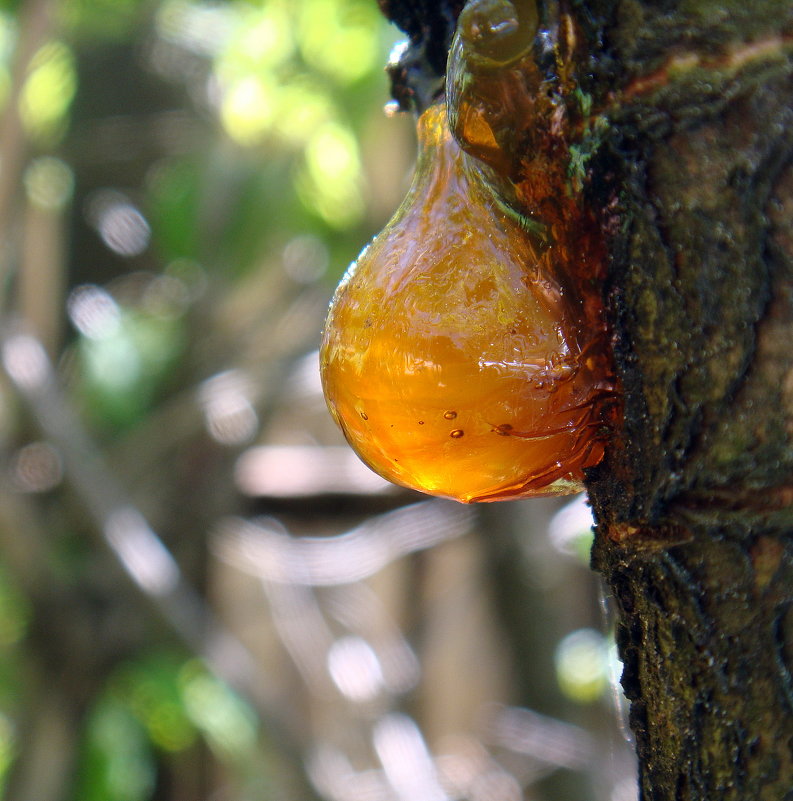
[[202, 594]]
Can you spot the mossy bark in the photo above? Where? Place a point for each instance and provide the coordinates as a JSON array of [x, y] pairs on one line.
[[694, 501]]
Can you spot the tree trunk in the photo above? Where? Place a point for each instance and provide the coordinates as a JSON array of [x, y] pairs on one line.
[[694, 502], [693, 176]]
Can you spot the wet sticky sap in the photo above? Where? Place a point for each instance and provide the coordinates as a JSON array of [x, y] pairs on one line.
[[455, 358]]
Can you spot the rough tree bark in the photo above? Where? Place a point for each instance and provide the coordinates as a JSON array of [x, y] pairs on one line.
[[694, 500]]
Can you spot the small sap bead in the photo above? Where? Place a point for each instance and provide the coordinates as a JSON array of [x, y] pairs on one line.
[[501, 103], [498, 31], [478, 379]]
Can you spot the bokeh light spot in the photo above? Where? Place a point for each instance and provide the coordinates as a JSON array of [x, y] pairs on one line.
[[93, 312], [48, 92], [583, 663], [305, 259], [355, 669], [37, 467], [228, 412], [248, 109], [330, 184], [228, 724], [49, 182]]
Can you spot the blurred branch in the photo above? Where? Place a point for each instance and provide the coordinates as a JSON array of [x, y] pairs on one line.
[[47, 762], [42, 271], [272, 555], [36, 25]]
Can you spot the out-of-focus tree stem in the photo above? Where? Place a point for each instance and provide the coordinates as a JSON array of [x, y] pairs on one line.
[[36, 25]]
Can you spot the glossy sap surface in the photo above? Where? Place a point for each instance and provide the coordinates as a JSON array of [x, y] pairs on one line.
[[453, 359]]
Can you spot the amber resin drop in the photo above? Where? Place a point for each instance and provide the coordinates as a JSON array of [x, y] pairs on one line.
[[452, 361]]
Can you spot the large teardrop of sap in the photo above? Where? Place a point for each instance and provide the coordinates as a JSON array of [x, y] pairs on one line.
[[449, 359]]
